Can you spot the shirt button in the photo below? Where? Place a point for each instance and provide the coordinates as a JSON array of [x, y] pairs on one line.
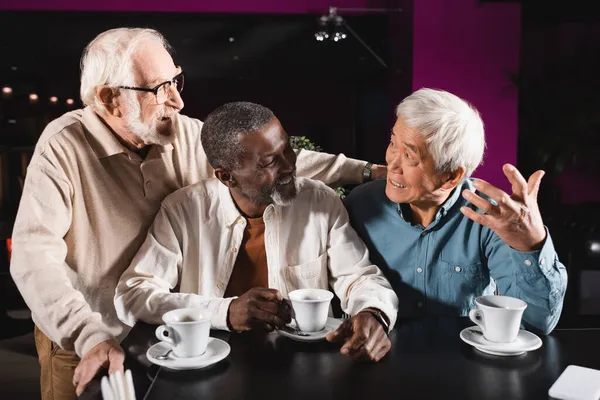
[[233, 249], [419, 270], [527, 262], [555, 291], [419, 304], [542, 261], [240, 221], [458, 269], [424, 233], [220, 285], [147, 183]]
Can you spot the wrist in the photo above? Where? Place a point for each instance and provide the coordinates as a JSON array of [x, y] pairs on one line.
[[367, 173], [383, 319], [228, 318]]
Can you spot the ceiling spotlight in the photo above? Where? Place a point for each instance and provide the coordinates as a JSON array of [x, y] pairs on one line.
[[322, 33], [333, 27], [53, 99], [33, 97], [70, 101], [7, 90], [338, 29]]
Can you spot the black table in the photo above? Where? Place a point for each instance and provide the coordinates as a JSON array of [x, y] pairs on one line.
[[427, 361]]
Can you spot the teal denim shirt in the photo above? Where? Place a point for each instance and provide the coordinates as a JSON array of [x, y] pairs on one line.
[[443, 268]]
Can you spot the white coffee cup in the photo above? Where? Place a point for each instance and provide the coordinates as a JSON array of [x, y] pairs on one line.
[[187, 330], [499, 317], [311, 307]]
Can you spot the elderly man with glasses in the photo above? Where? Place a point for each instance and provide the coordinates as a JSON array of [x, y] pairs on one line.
[[93, 187]]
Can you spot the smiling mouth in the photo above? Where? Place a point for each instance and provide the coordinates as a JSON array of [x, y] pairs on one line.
[[285, 181], [396, 184]]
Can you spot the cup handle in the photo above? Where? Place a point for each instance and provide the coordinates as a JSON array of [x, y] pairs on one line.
[[165, 334], [477, 317]]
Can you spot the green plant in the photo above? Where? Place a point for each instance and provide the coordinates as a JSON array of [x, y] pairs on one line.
[[302, 142]]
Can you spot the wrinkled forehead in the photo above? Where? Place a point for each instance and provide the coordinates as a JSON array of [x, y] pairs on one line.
[[152, 64]]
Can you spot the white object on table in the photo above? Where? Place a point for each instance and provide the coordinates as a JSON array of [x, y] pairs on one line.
[[118, 386], [576, 383]]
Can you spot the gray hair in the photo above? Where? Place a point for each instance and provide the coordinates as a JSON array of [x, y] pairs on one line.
[[222, 130], [452, 128], [107, 61]]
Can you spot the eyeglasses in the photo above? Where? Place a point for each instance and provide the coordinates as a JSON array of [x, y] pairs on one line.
[[162, 91]]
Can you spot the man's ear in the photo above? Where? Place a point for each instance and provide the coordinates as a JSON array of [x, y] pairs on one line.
[[109, 97], [225, 177], [452, 179]]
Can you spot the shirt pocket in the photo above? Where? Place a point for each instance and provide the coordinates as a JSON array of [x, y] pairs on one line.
[[459, 282], [312, 274]]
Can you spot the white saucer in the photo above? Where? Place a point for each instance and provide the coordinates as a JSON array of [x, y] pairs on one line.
[[525, 341], [216, 350], [331, 325]]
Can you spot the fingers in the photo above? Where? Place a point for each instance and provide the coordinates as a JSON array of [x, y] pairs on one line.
[[263, 319], [382, 349], [270, 309], [357, 340], [105, 354], [534, 183], [477, 217], [478, 202], [116, 359], [285, 311], [268, 294], [519, 185], [266, 305], [369, 342], [343, 332], [498, 195], [280, 309], [84, 373]]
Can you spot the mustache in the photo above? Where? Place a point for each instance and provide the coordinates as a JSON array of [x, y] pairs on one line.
[[167, 112]]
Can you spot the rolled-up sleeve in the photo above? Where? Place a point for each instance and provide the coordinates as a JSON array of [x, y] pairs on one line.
[[358, 283], [536, 277], [38, 264], [144, 290]]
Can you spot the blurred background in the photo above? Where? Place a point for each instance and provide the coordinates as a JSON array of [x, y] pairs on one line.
[[530, 69]]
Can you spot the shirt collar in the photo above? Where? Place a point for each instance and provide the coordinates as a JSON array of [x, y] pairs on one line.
[[450, 201], [103, 141], [231, 214]]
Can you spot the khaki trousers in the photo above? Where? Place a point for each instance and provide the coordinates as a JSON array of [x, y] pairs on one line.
[[57, 367]]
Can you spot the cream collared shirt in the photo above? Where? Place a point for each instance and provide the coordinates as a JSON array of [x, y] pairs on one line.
[[86, 207], [194, 240]]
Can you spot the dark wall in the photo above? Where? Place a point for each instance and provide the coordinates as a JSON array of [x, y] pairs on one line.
[[559, 131], [272, 59], [337, 94]]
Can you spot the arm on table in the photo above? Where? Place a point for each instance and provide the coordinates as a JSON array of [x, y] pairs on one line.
[[144, 290]]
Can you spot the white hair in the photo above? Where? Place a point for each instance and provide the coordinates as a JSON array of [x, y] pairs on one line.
[[107, 61], [452, 128]]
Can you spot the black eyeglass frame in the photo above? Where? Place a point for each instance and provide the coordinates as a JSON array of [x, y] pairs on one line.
[[156, 88]]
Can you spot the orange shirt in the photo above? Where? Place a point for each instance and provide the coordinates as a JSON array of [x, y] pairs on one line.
[[250, 269]]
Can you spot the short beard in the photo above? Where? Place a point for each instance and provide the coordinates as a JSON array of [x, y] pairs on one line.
[[271, 195], [146, 134], [282, 200]]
